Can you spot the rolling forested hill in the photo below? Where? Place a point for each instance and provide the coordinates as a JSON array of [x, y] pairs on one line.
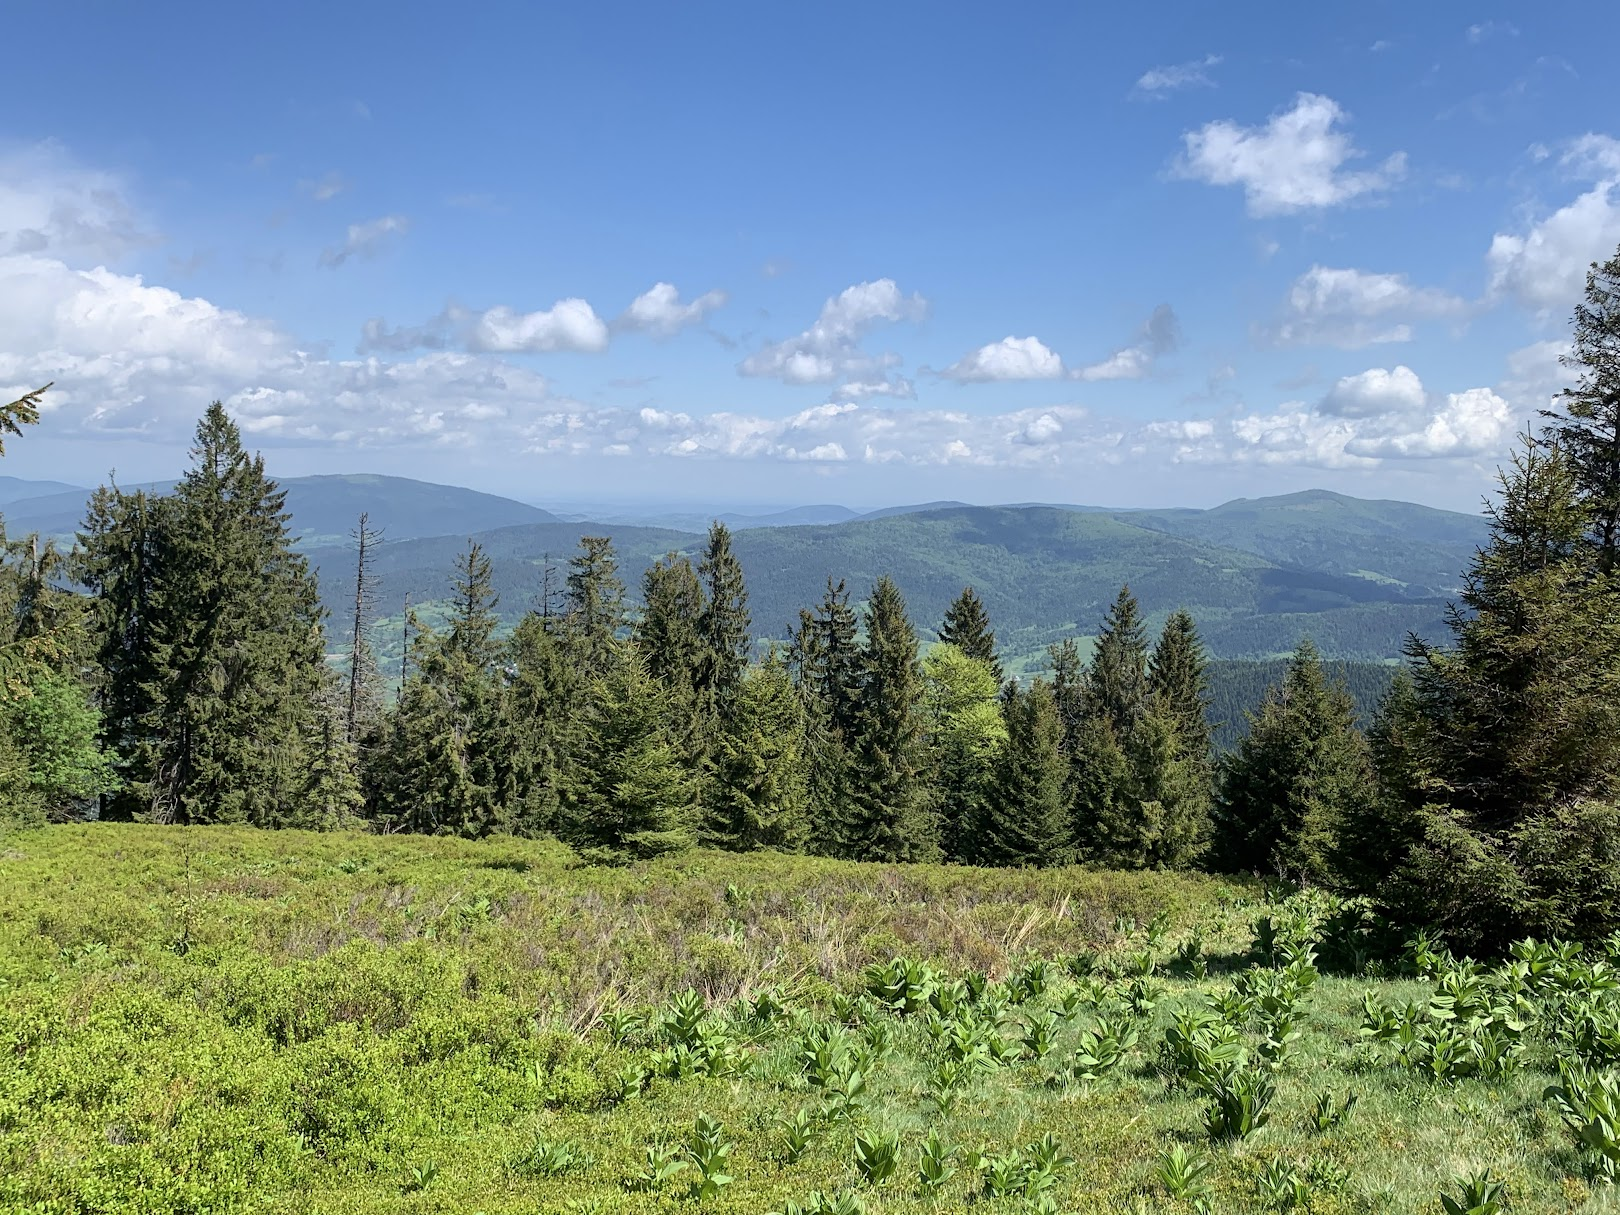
[[1356, 576], [1366, 574]]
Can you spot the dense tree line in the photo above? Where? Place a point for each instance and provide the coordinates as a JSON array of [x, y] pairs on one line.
[[191, 684]]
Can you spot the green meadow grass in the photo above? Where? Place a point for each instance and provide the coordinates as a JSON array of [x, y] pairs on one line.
[[211, 1020]]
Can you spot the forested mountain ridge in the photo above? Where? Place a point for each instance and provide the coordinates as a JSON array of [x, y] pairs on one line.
[[1044, 572]]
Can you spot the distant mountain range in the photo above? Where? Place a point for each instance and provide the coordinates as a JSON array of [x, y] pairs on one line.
[[1355, 575]]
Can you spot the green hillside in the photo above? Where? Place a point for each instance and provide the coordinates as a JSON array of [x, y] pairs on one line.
[[1043, 572], [1418, 546]]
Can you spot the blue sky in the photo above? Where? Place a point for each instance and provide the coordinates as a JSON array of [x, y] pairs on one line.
[[773, 254]]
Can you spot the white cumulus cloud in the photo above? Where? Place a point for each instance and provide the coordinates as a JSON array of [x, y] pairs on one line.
[[1012, 358], [570, 324], [1295, 162], [1350, 308], [1375, 393], [829, 352], [659, 310], [1544, 266]]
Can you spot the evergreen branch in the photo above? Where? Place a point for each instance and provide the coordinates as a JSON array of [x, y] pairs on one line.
[[24, 411]]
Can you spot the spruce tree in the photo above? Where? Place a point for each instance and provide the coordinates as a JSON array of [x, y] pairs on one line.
[[967, 627], [725, 623], [1116, 819], [1116, 684], [1502, 769], [453, 748], [890, 818], [1587, 430], [544, 703], [121, 547], [1295, 778], [1026, 823], [595, 607], [668, 633], [759, 787], [825, 659], [965, 732], [1177, 677], [631, 792], [217, 701]]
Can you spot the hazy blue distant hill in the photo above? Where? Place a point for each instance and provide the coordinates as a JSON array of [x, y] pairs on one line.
[[324, 509], [696, 518], [16, 489]]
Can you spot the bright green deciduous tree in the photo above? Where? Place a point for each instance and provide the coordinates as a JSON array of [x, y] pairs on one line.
[[965, 730]]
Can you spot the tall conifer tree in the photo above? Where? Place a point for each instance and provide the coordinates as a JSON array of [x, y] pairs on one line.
[[544, 705], [725, 623], [967, 627], [890, 816], [965, 733], [453, 749], [595, 606], [825, 659], [759, 787], [217, 678], [668, 633], [1587, 430], [1027, 818], [1294, 778], [631, 791]]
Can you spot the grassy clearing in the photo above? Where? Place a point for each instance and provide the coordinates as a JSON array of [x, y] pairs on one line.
[[212, 1020]]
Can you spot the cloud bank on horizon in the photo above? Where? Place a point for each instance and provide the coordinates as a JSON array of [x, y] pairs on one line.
[[1252, 283]]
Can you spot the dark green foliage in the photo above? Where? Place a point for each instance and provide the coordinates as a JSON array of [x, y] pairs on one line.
[[1140, 763], [724, 626], [1507, 747], [890, 818], [1178, 680], [825, 660], [668, 634], [630, 792], [595, 612], [1026, 822], [1117, 680], [1302, 768], [24, 411], [1588, 429], [543, 699], [211, 640], [759, 787], [967, 627], [451, 748]]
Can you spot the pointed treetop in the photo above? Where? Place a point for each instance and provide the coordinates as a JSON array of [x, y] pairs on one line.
[[967, 627]]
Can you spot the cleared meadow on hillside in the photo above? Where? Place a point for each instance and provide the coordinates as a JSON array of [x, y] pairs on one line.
[[212, 1019]]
